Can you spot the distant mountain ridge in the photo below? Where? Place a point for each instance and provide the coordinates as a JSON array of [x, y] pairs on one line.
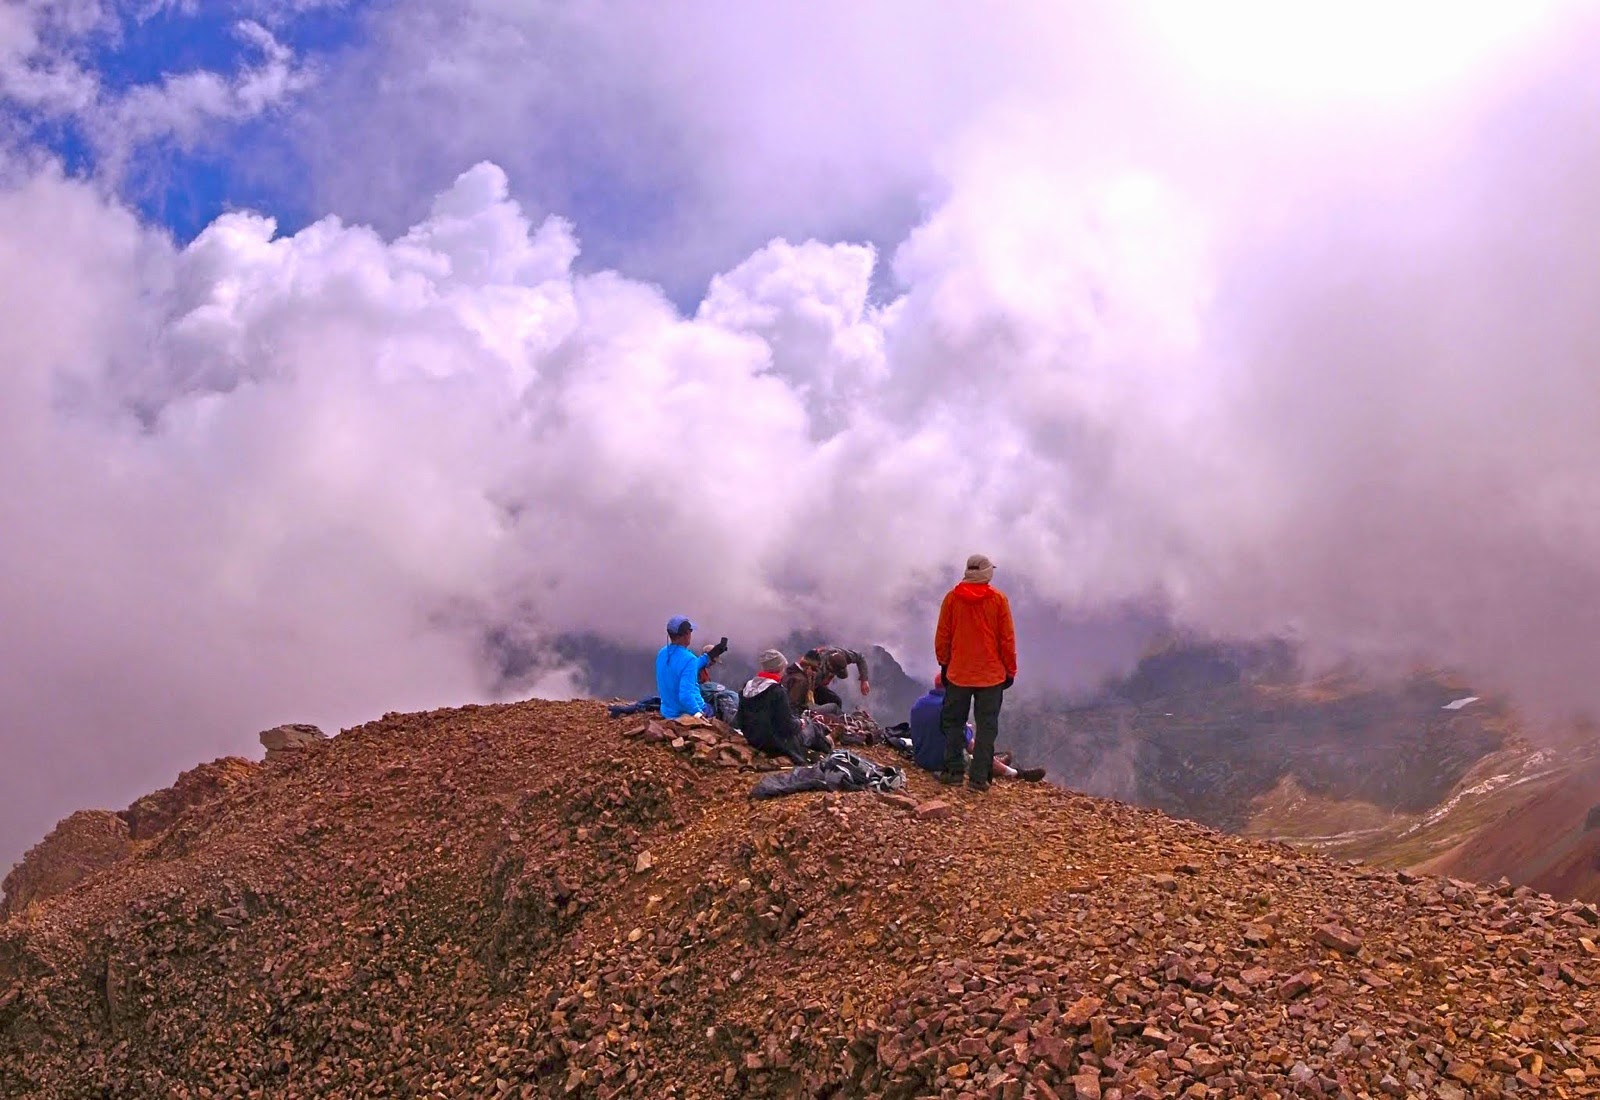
[[1205, 730]]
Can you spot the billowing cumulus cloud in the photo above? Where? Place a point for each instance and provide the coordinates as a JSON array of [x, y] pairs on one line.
[[1167, 327]]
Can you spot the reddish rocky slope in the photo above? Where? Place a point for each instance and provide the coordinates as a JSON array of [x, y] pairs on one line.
[[1550, 838], [520, 901]]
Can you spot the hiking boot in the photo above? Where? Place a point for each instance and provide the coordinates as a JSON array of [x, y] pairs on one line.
[[1030, 775], [951, 779], [979, 785]]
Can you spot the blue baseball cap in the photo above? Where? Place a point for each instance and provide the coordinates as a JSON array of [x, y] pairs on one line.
[[678, 624]]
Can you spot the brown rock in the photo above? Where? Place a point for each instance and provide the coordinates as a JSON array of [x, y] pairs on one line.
[[935, 810], [1299, 984], [1081, 1012], [1258, 935], [1338, 938], [292, 737], [1053, 1051], [1100, 1035]]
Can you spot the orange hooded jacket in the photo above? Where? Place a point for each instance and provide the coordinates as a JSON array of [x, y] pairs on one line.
[[975, 642]]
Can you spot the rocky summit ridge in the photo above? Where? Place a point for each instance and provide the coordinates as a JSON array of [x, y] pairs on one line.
[[536, 900]]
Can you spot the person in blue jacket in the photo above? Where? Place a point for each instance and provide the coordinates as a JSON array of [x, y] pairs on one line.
[[927, 739], [678, 671]]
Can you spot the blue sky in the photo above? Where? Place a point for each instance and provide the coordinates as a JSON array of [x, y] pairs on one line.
[[401, 97], [252, 163]]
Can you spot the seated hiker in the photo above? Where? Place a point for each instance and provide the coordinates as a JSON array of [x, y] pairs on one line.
[[828, 663], [724, 701], [927, 739], [766, 719], [678, 671]]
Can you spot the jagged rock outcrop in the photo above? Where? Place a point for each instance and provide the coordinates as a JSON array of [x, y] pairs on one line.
[[154, 814], [289, 740], [91, 840], [76, 848], [522, 901]]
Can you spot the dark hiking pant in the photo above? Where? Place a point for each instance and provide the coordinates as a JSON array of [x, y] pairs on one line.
[[825, 695], [984, 703], [775, 744]]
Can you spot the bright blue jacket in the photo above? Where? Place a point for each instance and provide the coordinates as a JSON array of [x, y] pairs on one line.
[[678, 682]]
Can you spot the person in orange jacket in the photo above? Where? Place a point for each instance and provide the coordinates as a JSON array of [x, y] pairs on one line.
[[976, 646]]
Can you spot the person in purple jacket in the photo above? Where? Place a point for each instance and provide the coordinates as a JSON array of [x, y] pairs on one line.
[[927, 739]]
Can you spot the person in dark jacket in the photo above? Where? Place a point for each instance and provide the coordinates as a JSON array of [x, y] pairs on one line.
[[765, 717], [976, 647], [927, 738]]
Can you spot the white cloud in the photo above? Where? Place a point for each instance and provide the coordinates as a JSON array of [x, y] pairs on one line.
[[184, 107], [43, 68], [37, 66]]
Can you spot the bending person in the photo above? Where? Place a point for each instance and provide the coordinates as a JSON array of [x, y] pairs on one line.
[[828, 663]]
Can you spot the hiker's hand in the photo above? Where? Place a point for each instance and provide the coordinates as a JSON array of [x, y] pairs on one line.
[[1007, 685], [719, 649], [866, 688]]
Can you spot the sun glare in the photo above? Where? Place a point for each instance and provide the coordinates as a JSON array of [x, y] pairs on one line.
[[1357, 49]]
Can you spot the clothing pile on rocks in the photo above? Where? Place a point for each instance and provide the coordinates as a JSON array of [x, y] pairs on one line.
[[838, 771], [855, 728]]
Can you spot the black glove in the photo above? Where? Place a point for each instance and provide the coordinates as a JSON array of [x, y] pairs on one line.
[[944, 676], [1007, 685], [719, 649]]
